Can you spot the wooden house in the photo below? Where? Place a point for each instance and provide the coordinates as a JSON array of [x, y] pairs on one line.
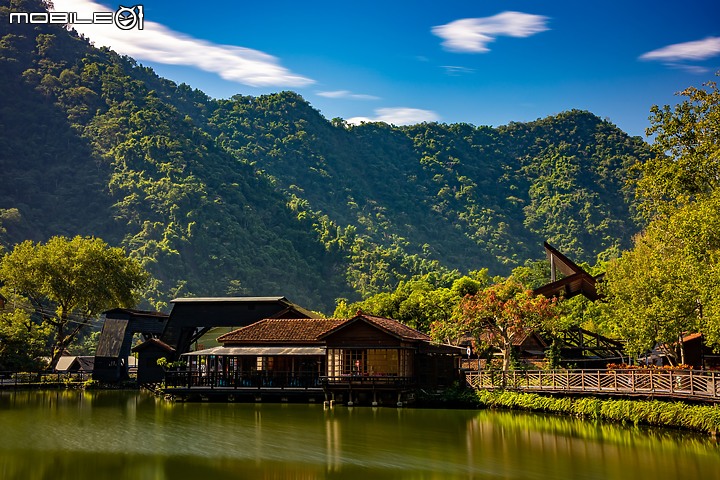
[[364, 358], [148, 354]]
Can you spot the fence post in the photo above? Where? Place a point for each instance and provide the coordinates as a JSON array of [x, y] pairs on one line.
[[692, 383], [615, 380], [672, 384]]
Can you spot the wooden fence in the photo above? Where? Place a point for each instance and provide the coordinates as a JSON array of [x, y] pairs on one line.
[[680, 384], [14, 380]]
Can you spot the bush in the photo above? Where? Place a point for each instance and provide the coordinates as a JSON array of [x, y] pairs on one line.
[[702, 418]]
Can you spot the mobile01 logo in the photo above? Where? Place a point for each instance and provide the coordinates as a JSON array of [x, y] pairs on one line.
[[124, 18]]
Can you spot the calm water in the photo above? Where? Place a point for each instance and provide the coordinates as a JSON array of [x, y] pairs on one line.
[[120, 435]]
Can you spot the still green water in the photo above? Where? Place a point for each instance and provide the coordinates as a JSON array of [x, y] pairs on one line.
[[127, 435]]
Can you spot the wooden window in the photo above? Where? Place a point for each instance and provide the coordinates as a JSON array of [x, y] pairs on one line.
[[354, 362]]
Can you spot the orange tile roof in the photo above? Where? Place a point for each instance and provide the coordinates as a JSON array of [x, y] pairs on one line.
[[274, 330], [310, 330], [399, 329]]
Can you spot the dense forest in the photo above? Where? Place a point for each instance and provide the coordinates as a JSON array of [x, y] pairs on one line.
[[265, 196]]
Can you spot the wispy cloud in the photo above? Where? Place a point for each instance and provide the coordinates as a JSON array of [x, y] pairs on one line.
[[347, 94], [694, 69], [697, 50], [474, 34], [456, 71], [157, 43], [398, 116]]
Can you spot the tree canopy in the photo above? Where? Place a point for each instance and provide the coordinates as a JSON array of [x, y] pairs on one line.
[[497, 316], [69, 282], [667, 285]]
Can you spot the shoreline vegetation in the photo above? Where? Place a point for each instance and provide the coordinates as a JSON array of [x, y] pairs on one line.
[[654, 413]]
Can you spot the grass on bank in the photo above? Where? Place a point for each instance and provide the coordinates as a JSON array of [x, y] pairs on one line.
[[700, 418]]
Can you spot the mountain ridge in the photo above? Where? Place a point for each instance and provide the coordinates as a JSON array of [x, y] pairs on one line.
[[263, 195]]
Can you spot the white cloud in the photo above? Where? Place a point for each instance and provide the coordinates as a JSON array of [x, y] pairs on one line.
[[474, 34], [157, 43], [697, 50], [347, 94], [398, 116]]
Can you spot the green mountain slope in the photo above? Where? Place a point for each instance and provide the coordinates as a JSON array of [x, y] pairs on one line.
[[262, 195]]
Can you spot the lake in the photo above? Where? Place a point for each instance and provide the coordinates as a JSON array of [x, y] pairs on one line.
[[77, 435]]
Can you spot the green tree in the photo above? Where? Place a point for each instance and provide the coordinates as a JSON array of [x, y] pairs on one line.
[[421, 301], [669, 283], [70, 281], [687, 152], [498, 315], [22, 341]]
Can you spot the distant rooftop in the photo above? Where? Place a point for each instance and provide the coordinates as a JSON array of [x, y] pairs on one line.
[[229, 299]]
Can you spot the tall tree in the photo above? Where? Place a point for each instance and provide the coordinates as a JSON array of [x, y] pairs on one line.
[[668, 283], [687, 152], [70, 281], [498, 315]]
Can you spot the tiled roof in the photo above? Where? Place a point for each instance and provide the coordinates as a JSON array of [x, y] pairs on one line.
[[282, 330], [396, 327], [311, 330]]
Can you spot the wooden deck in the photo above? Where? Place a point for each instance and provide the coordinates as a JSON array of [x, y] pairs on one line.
[[694, 385], [282, 385]]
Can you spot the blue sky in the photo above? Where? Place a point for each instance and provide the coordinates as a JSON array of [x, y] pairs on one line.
[[485, 63]]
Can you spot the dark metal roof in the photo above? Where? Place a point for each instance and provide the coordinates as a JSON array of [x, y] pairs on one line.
[[193, 317], [229, 300], [112, 337], [136, 313]]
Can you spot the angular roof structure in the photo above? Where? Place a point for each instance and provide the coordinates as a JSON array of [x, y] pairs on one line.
[[576, 282]]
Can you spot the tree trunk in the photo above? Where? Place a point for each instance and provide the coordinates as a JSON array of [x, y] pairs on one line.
[[507, 354], [61, 342]]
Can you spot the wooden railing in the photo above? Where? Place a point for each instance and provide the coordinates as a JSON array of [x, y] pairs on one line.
[[240, 380], [681, 384], [368, 380], [276, 380], [41, 379]]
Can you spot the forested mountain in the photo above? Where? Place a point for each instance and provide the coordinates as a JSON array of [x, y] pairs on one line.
[[263, 195]]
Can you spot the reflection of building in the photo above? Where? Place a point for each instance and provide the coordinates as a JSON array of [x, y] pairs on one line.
[[364, 358]]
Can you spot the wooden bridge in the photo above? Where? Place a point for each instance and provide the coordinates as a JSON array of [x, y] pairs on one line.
[[694, 385]]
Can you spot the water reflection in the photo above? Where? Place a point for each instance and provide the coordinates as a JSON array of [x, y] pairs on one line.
[[90, 435]]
